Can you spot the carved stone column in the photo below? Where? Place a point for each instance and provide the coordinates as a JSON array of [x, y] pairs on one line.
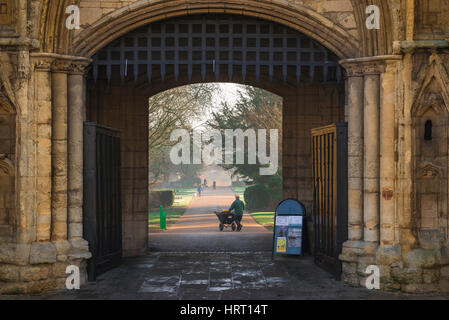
[[43, 106], [371, 210], [387, 154], [59, 150], [76, 118], [355, 152]]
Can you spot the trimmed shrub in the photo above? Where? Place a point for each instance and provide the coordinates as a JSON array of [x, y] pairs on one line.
[[257, 197], [163, 198], [167, 198]]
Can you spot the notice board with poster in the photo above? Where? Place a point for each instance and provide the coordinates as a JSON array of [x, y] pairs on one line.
[[288, 226]]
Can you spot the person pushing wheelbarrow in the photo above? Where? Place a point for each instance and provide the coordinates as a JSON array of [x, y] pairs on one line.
[[238, 206]]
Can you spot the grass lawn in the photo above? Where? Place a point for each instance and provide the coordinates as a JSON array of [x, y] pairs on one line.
[[183, 197], [265, 219], [173, 214]]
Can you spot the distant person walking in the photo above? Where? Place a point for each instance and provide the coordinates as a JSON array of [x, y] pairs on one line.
[[205, 183], [215, 185], [199, 190], [238, 206]]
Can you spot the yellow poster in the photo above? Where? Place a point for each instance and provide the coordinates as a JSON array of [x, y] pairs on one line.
[[281, 245]]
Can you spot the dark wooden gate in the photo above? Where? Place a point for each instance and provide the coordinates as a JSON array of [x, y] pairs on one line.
[[330, 195], [102, 212]]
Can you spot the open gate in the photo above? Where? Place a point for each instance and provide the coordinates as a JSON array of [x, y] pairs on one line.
[[102, 212], [330, 195]]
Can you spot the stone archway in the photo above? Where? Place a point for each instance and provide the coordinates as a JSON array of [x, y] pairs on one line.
[[118, 91]]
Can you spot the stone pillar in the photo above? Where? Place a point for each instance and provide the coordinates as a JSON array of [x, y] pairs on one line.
[[59, 151], [387, 152], [75, 181], [355, 153], [290, 134], [26, 155], [371, 210], [43, 109]]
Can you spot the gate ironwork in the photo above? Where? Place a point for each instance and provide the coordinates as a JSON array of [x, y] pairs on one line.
[[102, 213], [217, 44], [330, 208]]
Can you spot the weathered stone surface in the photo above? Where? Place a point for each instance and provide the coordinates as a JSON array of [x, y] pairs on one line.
[[34, 273], [422, 258], [444, 286], [14, 253], [444, 271], [9, 272], [407, 275], [420, 288], [430, 275], [43, 253], [13, 287], [387, 255]]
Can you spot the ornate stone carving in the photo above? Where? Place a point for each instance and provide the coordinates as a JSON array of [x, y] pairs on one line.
[[433, 84], [353, 69], [6, 165], [78, 67], [60, 65], [428, 170], [42, 63], [375, 67], [6, 87]]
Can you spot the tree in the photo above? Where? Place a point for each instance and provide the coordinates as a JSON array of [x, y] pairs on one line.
[[255, 109], [172, 109]]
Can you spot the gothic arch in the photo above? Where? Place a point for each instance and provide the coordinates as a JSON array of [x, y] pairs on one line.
[[56, 38], [374, 42], [141, 13], [433, 75]]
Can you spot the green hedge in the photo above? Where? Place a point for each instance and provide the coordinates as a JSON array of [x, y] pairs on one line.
[[163, 198], [257, 197]]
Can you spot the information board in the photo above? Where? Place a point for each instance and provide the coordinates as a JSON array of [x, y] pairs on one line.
[[288, 226]]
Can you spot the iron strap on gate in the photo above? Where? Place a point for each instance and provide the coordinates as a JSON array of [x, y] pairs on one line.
[[102, 213], [330, 172], [217, 43]]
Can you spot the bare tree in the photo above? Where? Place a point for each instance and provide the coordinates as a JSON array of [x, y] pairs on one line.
[[169, 110]]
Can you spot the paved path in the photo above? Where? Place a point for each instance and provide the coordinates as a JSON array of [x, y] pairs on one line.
[[192, 260], [219, 276], [197, 230]]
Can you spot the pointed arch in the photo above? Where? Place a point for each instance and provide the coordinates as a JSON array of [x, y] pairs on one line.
[[434, 74]]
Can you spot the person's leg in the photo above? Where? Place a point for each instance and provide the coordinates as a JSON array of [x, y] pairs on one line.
[[239, 224]]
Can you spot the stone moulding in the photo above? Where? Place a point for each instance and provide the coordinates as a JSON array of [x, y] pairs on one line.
[[138, 14]]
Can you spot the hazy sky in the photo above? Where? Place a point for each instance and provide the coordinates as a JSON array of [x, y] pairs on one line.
[[228, 93]]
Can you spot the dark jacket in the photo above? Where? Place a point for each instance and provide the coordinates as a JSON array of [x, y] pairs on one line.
[[238, 206]]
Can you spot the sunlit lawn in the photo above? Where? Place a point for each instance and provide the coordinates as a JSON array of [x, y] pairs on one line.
[[265, 219], [183, 197], [173, 214], [240, 191]]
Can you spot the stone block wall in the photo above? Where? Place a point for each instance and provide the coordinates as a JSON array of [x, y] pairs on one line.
[[122, 107], [313, 105]]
